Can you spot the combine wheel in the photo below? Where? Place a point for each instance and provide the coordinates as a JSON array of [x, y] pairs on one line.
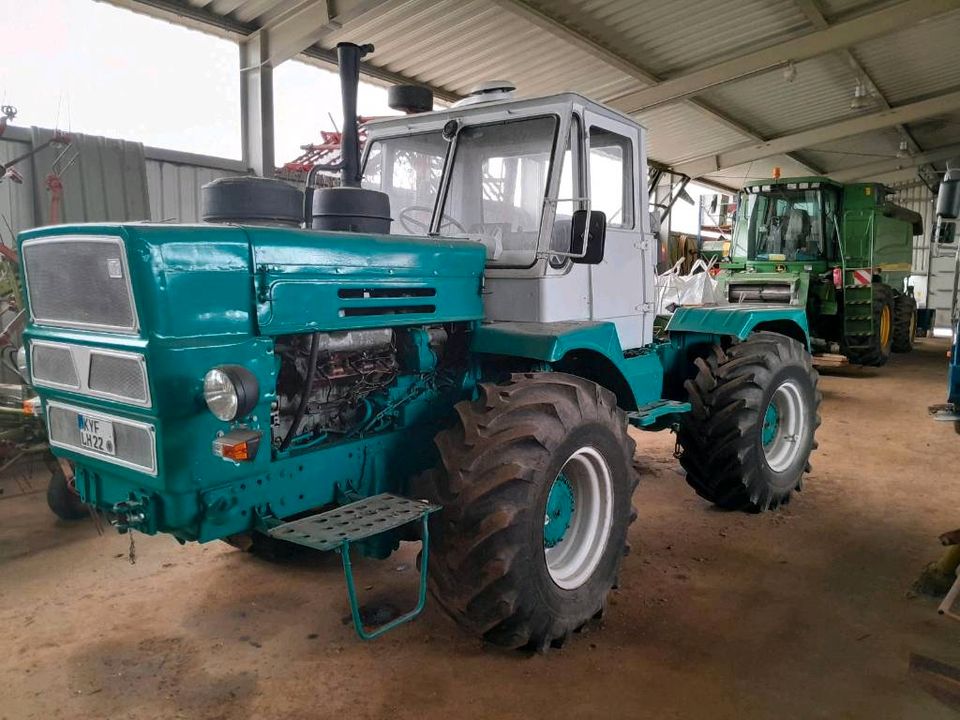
[[748, 439], [875, 350], [535, 484], [904, 323]]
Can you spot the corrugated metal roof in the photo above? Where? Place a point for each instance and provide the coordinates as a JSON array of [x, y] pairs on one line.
[[455, 44], [915, 62], [678, 132], [773, 106], [665, 37]]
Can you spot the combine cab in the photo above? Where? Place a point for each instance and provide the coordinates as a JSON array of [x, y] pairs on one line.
[[842, 252]]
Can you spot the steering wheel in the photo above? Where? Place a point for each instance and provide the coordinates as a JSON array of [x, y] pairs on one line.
[[414, 226]]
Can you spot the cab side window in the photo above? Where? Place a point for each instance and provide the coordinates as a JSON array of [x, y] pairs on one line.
[[611, 176]]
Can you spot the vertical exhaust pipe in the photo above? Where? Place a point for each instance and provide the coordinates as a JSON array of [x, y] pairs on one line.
[[348, 60], [348, 208]]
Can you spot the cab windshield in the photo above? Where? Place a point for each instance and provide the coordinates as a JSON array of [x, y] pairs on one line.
[[779, 224], [495, 187]]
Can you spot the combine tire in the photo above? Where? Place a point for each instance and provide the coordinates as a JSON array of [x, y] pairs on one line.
[[904, 323], [875, 350], [747, 441], [63, 499], [535, 483]]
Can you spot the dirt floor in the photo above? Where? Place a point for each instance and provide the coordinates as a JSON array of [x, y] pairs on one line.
[[802, 613]]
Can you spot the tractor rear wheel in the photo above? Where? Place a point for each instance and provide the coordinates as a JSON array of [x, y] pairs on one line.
[[535, 483], [875, 349], [904, 323], [747, 441]]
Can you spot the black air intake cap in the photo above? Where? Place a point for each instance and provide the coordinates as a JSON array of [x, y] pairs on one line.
[[251, 201]]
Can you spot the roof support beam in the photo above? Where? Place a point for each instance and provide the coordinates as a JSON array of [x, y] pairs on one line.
[[581, 41], [836, 37], [296, 29], [882, 167], [738, 155]]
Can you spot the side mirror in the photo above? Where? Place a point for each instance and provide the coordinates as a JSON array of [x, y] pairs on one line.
[[588, 228]]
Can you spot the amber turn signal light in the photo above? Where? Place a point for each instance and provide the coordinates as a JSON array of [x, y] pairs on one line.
[[237, 445]]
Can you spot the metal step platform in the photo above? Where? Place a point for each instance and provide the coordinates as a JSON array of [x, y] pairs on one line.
[[656, 413], [336, 529]]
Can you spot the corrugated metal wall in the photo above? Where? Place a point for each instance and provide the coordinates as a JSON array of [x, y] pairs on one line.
[[934, 265], [104, 179]]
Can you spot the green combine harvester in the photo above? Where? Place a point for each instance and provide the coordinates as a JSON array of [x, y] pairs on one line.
[[450, 347], [843, 252]]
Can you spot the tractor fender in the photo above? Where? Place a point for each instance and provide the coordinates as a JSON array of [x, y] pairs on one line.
[[740, 321], [586, 349]]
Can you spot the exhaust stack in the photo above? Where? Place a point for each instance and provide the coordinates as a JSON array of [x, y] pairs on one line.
[[349, 208]]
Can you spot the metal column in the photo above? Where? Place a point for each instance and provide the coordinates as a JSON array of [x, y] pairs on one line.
[[256, 104]]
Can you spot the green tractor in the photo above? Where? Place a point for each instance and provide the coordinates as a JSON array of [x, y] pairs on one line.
[[449, 347], [843, 252]]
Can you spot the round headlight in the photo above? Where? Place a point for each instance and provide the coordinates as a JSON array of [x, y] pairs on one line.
[[230, 391], [22, 363]]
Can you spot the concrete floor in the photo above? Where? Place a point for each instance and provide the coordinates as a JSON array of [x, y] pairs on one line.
[[802, 613]]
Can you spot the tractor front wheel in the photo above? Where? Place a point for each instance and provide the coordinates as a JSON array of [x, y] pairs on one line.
[[62, 498], [536, 480], [904, 323], [747, 441]]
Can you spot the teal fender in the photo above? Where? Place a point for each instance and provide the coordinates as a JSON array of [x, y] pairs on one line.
[[740, 321], [587, 349]]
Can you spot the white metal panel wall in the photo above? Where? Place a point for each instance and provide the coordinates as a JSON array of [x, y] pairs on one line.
[[933, 263]]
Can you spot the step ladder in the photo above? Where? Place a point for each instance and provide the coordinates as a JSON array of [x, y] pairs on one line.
[[336, 529]]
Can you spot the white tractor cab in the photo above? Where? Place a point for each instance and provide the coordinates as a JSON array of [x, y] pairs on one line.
[[526, 178]]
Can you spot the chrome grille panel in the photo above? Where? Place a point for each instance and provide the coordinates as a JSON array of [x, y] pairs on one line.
[[117, 375], [97, 372], [80, 282], [53, 365], [135, 441]]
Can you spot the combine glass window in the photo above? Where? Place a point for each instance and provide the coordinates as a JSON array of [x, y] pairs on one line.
[[497, 185], [408, 169], [781, 225]]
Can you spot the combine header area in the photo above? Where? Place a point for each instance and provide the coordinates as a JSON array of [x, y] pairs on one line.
[[449, 347]]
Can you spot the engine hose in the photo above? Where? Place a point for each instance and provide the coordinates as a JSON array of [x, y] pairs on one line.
[[305, 393]]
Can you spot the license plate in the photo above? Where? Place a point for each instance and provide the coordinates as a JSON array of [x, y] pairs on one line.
[[96, 434]]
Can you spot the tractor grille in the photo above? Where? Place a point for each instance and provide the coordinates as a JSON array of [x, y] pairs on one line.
[[53, 365], [112, 374], [79, 281], [121, 376], [134, 441]]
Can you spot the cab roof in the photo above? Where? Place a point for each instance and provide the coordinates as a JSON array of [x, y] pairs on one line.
[[512, 104]]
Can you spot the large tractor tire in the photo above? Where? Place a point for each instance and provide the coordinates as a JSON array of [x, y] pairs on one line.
[[904, 323], [875, 350], [536, 483], [747, 441], [62, 499]]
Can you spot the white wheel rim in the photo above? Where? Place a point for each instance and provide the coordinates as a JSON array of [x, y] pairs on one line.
[[784, 447], [572, 561]]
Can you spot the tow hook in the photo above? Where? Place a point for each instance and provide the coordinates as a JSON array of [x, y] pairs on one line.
[[129, 515]]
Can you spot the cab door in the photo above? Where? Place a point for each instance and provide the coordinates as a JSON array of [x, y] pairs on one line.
[[621, 285]]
